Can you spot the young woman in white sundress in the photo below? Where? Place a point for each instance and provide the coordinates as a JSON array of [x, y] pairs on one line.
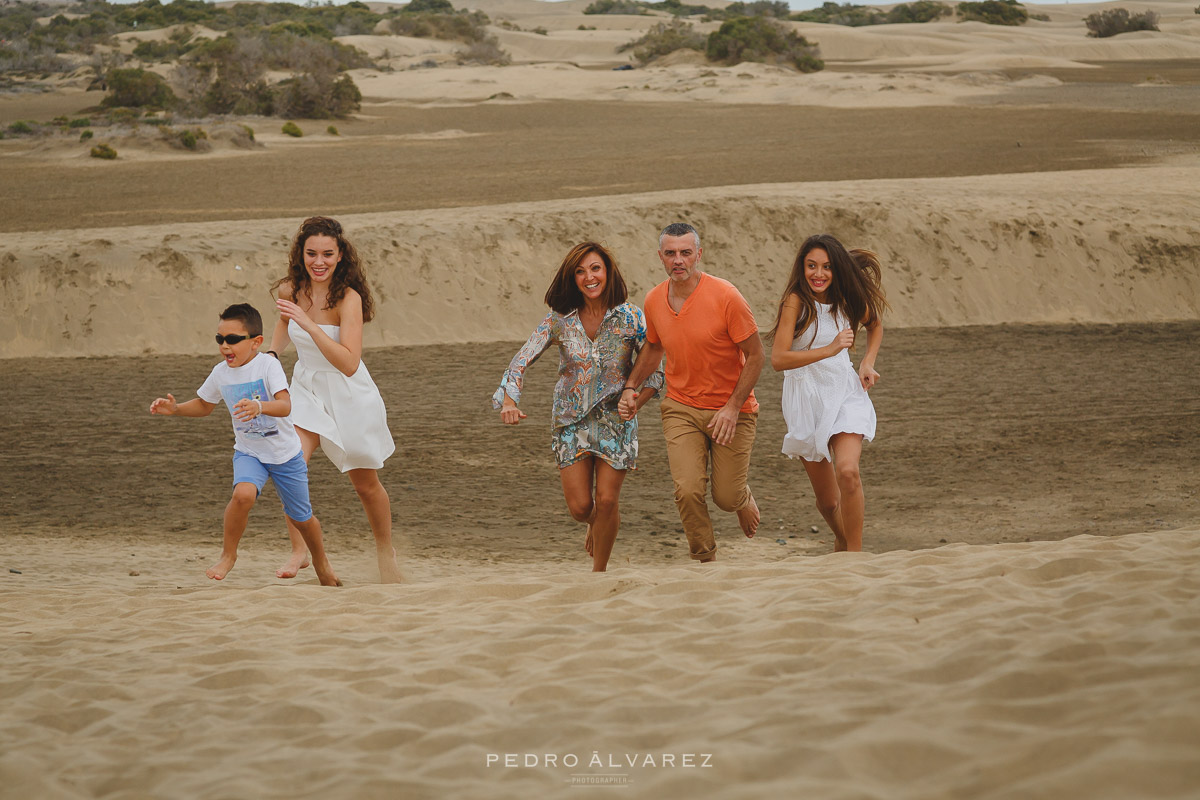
[[830, 294], [323, 303]]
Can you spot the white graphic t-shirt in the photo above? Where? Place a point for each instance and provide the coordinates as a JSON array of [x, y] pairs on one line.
[[272, 440]]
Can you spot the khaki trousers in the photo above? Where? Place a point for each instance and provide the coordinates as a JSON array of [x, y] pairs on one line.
[[689, 449]]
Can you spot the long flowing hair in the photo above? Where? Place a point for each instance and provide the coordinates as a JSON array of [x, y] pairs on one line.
[[856, 291], [564, 296], [348, 275]]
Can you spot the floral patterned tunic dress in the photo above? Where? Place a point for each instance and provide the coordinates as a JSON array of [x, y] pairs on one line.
[[591, 375]]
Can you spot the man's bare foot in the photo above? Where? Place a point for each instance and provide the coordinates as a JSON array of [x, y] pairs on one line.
[[748, 518], [297, 562], [707, 559], [588, 545], [219, 570], [389, 570], [325, 573]]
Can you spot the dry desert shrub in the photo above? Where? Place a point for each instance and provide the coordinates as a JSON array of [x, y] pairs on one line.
[[1112, 21], [762, 39], [487, 51], [104, 151], [664, 38]]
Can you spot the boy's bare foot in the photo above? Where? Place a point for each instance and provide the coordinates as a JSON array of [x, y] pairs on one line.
[[219, 570], [588, 545], [748, 518], [297, 562], [389, 570], [325, 574]]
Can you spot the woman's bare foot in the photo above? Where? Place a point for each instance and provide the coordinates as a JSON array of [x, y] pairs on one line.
[[588, 544], [748, 518], [219, 570], [389, 570], [297, 562]]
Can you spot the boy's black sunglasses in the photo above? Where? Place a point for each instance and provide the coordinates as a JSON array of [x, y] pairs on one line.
[[231, 338]]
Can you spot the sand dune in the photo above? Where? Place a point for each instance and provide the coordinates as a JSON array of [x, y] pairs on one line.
[[1051, 669], [1094, 246]]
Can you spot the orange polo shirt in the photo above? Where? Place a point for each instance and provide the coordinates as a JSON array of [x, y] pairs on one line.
[[704, 361]]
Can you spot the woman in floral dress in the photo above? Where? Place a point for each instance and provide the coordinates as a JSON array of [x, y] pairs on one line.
[[599, 334]]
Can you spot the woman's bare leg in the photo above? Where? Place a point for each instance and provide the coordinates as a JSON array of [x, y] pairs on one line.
[[299, 558], [378, 506], [606, 518], [847, 450], [829, 498], [577, 481]]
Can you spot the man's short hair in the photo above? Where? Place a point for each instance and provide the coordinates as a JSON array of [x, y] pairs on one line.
[[247, 315], [678, 229]]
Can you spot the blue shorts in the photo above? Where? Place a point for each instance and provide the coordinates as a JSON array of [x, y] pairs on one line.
[[290, 477]]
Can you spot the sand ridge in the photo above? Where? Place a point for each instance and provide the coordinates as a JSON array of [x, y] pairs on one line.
[[1091, 246]]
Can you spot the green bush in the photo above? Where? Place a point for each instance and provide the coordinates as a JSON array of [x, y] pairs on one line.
[[1112, 21], [920, 11], [758, 8], [104, 151], [540, 31], [83, 137], [993, 12], [22, 127], [292, 129], [249, 132], [615, 7], [844, 14], [427, 6], [663, 38], [332, 130], [123, 116], [137, 88], [457, 27], [317, 95], [190, 139], [82, 122], [762, 39]]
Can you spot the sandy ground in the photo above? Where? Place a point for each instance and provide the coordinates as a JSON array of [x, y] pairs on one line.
[[1026, 625]]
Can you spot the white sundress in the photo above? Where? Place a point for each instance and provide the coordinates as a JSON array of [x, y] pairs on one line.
[[347, 412], [825, 397]]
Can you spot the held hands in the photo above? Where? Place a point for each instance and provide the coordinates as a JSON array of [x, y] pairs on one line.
[[627, 406], [867, 375], [246, 409], [165, 406], [724, 425], [510, 414], [290, 311]]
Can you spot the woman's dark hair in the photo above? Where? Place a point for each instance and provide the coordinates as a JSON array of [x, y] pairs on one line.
[[856, 291], [564, 296], [348, 275]]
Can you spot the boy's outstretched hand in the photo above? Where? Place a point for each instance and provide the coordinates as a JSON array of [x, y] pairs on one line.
[[164, 405]]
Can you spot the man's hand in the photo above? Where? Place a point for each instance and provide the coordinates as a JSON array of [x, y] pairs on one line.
[[627, 408], [723, 425]]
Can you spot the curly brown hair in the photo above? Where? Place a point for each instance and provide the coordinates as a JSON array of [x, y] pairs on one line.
[[349, 273]]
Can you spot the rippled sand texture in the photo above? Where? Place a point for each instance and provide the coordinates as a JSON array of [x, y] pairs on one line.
[[1049, 669]]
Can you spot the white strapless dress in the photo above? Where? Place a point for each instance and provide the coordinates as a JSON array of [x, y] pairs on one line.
[[347, 412], [825, 397]]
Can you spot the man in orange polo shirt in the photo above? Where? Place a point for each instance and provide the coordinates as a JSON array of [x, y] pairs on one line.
[[714, 356]]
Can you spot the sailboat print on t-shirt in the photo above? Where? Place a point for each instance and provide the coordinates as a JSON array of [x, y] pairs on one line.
[[261, 426]]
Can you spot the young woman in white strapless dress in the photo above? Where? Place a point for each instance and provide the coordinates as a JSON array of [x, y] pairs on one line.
[[323, 303], [830, 293]]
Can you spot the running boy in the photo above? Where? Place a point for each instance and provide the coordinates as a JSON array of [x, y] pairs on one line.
[[255, 389]]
